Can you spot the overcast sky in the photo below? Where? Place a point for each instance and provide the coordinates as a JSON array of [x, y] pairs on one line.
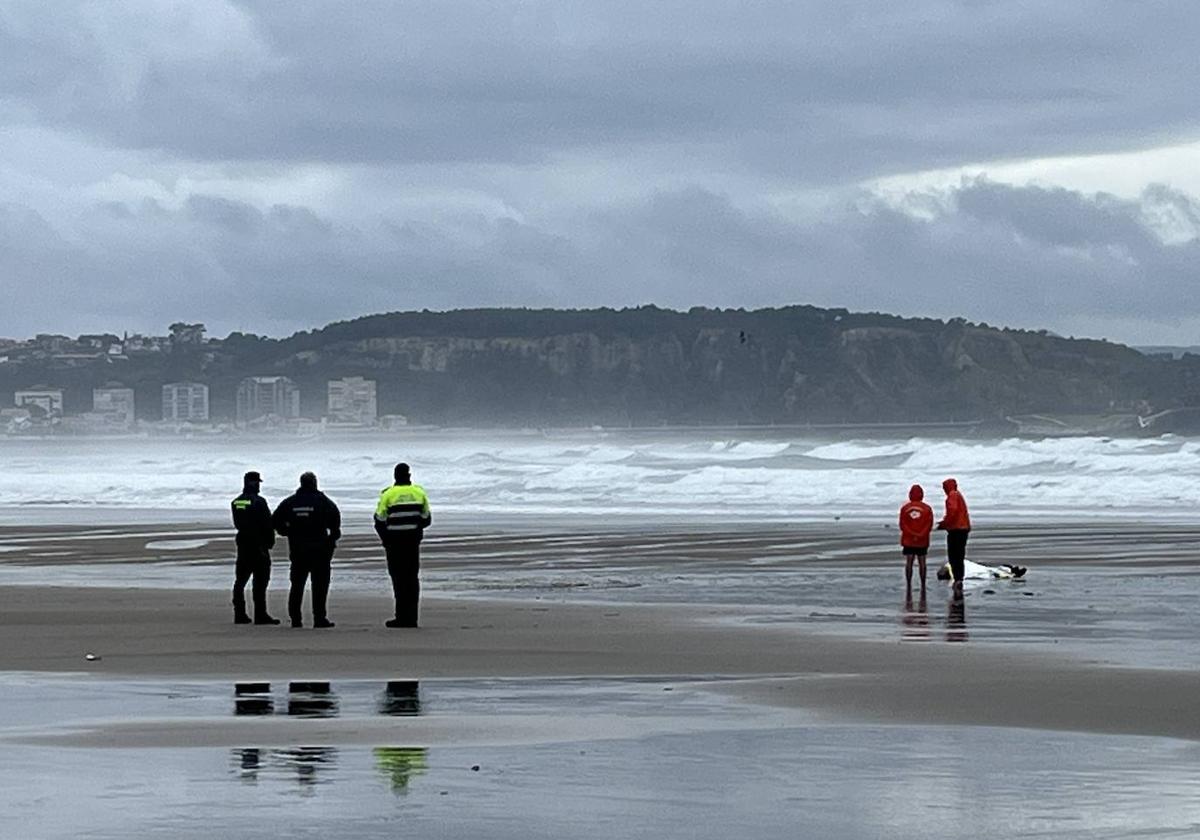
[[269, 165]]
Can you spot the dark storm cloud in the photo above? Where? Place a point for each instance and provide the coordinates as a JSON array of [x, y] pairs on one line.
[[818, 91], [1028, 256], [271, 165], [982, 253]]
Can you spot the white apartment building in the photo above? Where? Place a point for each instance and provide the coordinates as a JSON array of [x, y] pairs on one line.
[[267, 396], [352, 400], [115, 404], [44, 402], [185, 402]]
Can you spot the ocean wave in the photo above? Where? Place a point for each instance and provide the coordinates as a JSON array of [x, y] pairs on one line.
[[684, 474]]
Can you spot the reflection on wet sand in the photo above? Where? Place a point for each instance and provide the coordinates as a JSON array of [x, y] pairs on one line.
[[253, 699], [915, 621], [401, 764], [317, 699], [312, 700], [956, 619], [306, 761], [305, 699], [309, 767], [250, 763], [401, 698]]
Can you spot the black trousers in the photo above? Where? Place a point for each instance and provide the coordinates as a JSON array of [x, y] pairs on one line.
[[404, 568], [251, 563], [956, 551], [315, 565]]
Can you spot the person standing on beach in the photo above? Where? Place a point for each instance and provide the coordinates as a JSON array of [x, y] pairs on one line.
[[957, 525], [313, 525], [401, 518], [916, 523], [255, 539]]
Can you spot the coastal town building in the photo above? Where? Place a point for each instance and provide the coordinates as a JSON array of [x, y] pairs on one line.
[[262, 397], [183, 335], [114, 405], [42, 402], [53, 343], [352, 400], [15, 420], [142, 344], [185, 402]]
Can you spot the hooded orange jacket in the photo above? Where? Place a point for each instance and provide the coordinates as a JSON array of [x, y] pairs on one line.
[[956, 518], [916, 520]]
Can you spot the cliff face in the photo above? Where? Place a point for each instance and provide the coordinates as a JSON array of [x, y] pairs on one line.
[[650, 366]]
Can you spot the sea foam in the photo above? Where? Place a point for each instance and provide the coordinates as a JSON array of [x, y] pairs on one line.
[[693, 475]]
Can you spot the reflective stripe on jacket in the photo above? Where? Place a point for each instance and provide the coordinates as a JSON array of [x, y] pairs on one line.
[[402, 509]]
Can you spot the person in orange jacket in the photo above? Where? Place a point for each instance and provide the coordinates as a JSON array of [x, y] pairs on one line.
[[957, 525], [916, 523]]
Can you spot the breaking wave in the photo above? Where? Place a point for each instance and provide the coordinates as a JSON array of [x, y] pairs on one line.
[[610, 474]]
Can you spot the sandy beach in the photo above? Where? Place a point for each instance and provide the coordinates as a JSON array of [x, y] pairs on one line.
[[158, 632], [705, 668]]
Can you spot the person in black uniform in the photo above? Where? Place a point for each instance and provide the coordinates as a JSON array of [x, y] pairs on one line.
[[255, 539], [313, 525]]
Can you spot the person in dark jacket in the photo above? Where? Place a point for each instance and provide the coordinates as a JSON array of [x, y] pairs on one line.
[[255, 539], [313, 525], [401, 518]]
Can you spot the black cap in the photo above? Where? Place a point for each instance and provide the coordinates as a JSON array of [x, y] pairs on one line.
[[401, 471], [251, 476]]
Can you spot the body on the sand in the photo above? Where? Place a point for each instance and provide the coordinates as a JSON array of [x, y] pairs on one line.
[[916, 524], [255, 539], [957, 524], [313, 525], [401, 518], [980, 571]]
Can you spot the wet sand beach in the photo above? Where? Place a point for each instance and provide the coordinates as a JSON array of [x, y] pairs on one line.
[[743, 680], [538, 630], [177, 635]]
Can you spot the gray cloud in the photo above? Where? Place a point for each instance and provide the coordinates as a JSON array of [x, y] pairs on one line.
[[812, 91], [268, 165], [1026, 256]]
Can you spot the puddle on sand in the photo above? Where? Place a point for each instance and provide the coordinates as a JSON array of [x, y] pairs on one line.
[[819, 781], [806, 782], [176, 545]]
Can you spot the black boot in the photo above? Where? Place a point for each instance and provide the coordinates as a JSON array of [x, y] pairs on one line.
[[241, 618], [263, 618]]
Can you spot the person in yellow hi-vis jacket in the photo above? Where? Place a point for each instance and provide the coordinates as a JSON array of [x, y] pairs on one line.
[[401, 518]]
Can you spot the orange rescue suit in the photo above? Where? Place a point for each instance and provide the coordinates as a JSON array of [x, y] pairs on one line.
[[956, 518], [916, 520]]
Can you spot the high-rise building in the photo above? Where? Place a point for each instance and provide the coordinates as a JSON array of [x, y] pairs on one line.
[[115, 403], [185, 402], [352, 400], [44, 402], [259, 397]]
